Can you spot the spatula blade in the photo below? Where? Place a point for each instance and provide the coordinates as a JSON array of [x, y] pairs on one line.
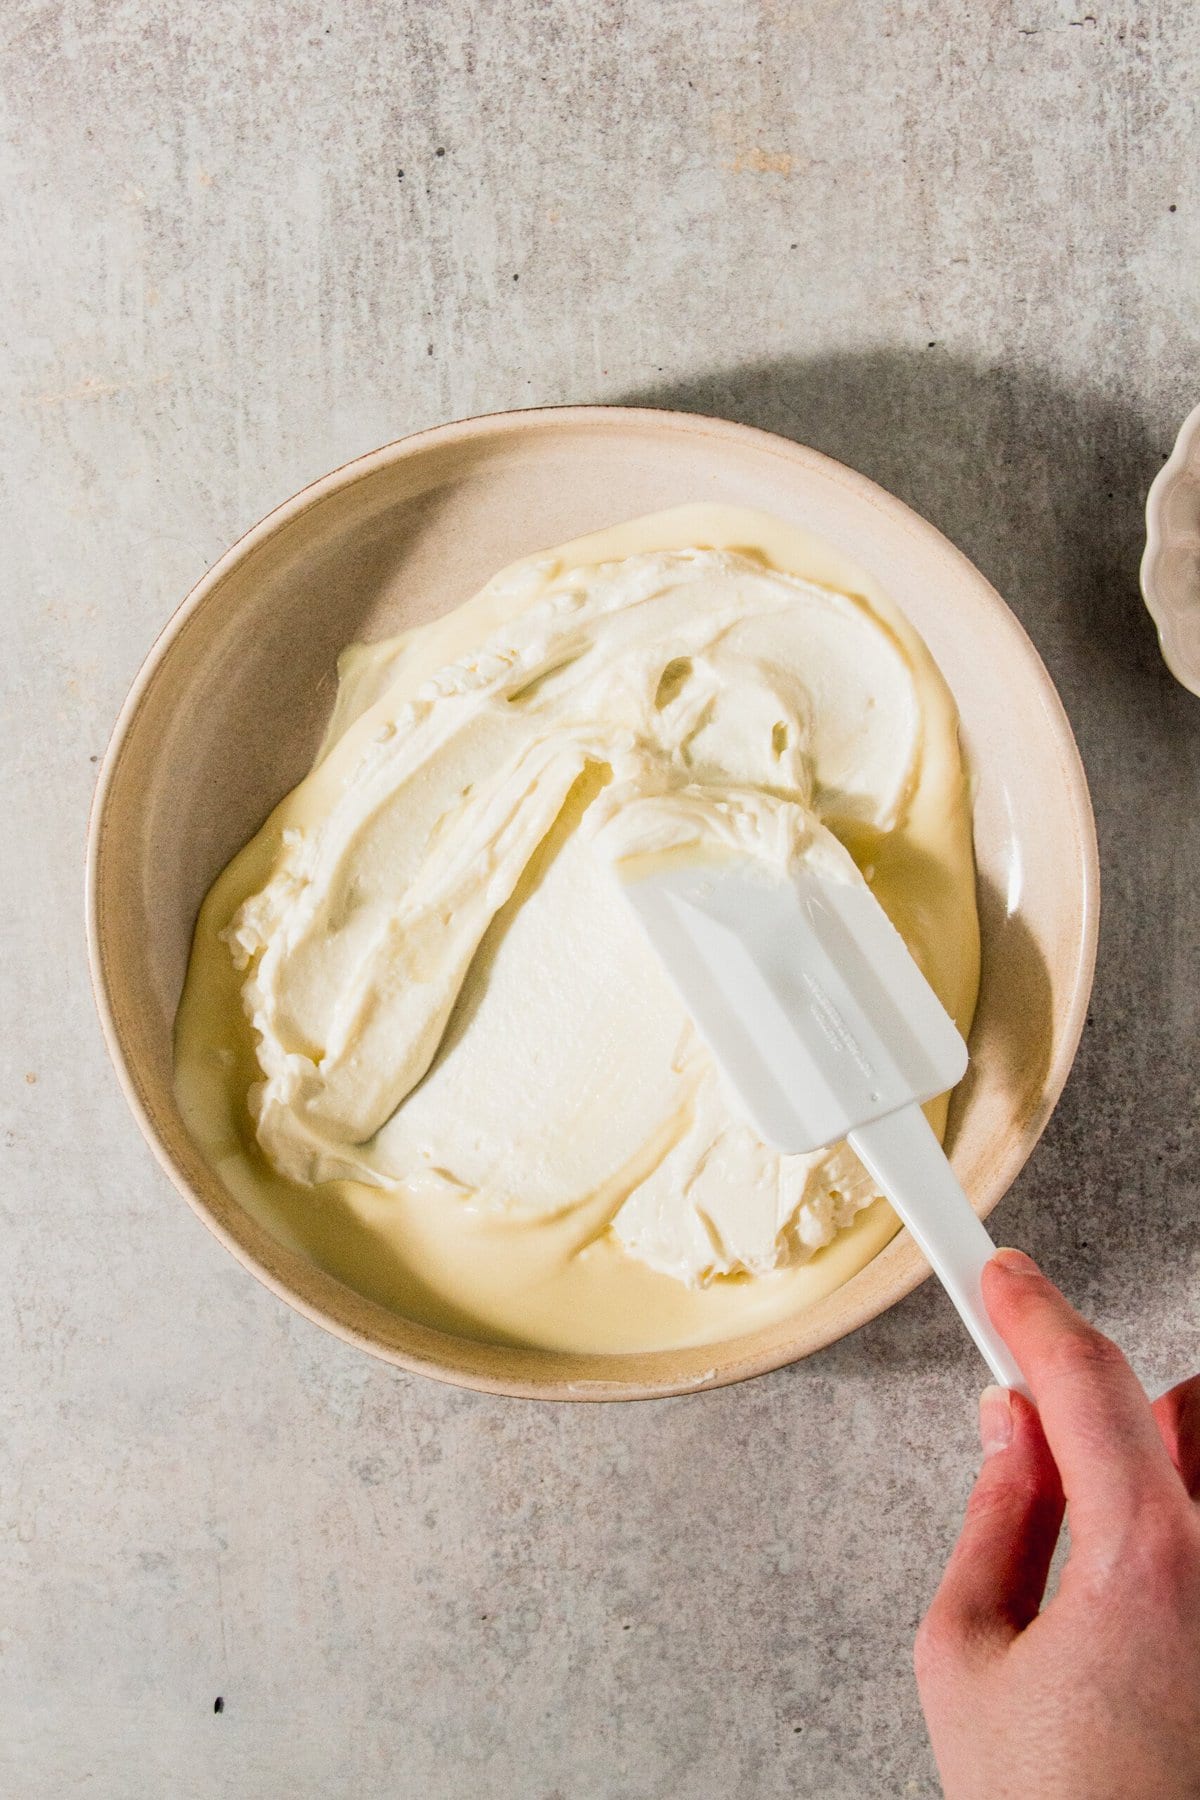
[[807, 995]]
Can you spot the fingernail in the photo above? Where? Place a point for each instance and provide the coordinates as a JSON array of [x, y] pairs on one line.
[[995, 1420], [1016, 1262]]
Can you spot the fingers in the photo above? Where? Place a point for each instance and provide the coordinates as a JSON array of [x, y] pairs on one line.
[[996, 1576], [1093, 1410], [1177, 1415]]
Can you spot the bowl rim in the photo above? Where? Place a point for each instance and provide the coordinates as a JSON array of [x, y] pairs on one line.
[[733, 1368], [1167, 617]]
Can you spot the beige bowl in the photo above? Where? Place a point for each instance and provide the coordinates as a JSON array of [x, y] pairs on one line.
[[229, 706]]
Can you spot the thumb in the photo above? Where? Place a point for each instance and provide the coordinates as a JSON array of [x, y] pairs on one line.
[[996, 1575]]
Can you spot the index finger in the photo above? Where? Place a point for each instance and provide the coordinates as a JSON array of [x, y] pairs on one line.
[[1177, 1415], [1093, 1409]]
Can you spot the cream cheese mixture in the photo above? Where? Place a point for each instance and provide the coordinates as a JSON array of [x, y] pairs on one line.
[[422, 1036]]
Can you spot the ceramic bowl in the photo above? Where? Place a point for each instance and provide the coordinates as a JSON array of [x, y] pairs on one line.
[[228, 708], [1171, 563]]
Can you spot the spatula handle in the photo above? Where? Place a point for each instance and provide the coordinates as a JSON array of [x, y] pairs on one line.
[[903, 1154]]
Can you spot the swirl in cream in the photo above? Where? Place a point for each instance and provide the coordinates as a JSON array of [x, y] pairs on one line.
[[450, 1004]]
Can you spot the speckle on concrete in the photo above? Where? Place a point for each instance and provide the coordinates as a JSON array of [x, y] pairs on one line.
[[954, 246]]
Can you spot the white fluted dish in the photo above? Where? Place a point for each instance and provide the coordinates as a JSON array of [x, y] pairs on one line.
[[1171, 562]]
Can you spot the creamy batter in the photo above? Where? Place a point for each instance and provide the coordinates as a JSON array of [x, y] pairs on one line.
[[422, 1037]]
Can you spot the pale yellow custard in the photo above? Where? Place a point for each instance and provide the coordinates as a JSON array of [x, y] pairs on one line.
[[421, 1037]]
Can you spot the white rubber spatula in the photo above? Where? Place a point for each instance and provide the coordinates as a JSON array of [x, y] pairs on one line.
[[826, 1029]]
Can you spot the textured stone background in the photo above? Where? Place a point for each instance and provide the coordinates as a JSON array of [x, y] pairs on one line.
[[955, 245]]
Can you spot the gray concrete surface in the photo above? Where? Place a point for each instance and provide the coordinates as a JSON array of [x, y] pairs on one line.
[[956, 246]]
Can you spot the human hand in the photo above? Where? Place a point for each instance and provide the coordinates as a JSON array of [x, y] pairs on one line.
[[1098, 1696]]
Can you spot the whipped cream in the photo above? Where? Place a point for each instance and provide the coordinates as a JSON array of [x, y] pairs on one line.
[[450, 1005]]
